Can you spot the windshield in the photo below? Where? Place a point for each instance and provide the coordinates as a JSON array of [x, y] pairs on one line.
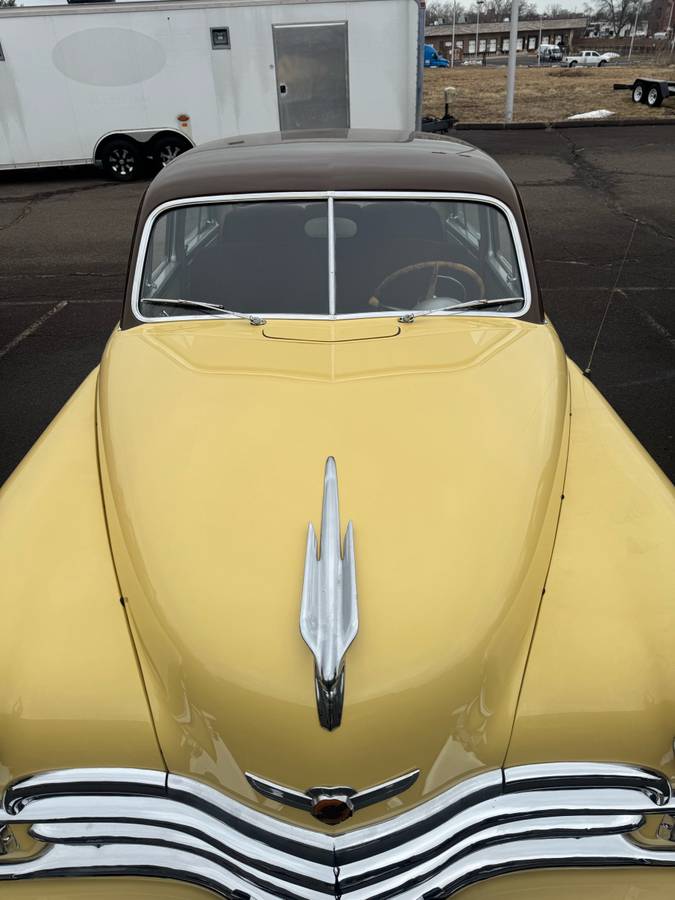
[[330, 257]]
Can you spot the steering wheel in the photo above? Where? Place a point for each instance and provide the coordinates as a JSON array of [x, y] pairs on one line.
[[434, 265]]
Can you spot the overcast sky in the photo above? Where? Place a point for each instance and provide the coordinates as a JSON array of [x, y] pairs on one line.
[[540, 4]]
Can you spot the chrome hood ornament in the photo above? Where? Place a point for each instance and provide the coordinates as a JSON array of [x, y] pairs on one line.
[[329, 617]]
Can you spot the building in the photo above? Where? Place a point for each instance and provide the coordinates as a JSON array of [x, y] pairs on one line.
[[493, 37]]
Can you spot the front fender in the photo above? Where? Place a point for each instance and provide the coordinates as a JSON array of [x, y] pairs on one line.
[[70, 690], [600, 683]]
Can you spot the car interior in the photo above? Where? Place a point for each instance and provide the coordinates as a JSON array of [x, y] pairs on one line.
[[272, 257]]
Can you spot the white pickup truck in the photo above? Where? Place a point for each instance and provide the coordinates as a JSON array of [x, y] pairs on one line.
[[585, 58]]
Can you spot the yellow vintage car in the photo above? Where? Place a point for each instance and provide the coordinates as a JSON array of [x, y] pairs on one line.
[[336, 579]]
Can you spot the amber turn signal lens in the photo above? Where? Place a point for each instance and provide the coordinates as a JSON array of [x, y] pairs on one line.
[[332, 810]]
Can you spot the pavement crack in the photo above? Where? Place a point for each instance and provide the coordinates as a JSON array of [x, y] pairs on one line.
[[58, 192], [32, 328], [20, 217], [649, 320], [593, 177]]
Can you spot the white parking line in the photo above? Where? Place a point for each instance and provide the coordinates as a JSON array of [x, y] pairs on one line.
[[32, 328]]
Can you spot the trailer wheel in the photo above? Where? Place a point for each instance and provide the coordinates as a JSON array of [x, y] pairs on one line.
[[654, 97], [121, 159], [638, 94], [166, 149]]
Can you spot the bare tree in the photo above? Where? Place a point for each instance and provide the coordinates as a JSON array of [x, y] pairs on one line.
[[618, 13], [527, 10], [442, 11], [559, 11], [7, 2], [498, 10]]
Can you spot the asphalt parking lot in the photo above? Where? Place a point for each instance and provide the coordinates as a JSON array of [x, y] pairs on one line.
[[602, 217]]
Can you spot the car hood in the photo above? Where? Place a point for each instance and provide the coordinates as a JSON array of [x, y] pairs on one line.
[[449, 436]]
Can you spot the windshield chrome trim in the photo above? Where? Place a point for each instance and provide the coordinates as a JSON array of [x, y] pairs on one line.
[[330, 197]]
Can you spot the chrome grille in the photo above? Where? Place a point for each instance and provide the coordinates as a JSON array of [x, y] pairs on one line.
[[144, 823]]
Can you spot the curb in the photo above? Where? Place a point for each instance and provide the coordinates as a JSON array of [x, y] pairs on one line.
[[565, 123], [499, 126]]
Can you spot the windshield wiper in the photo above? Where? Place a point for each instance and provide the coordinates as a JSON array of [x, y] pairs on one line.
[[253, 318], [470, 304]]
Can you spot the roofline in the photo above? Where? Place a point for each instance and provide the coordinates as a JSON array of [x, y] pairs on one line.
[[82, 9], [488, 27]]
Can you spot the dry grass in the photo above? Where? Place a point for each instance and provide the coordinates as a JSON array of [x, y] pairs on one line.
[[542, 95]]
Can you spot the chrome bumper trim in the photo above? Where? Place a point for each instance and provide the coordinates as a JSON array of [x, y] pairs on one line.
[[135, 822]]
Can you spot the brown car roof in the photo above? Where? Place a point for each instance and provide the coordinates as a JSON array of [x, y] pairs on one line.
[[356, 160]]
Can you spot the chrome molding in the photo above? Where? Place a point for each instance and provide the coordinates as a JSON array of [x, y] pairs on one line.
[[139, 823], [329, 615], [303, 196], [358, 799]]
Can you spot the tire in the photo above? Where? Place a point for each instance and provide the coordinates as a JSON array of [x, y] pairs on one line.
[[165, 149], [654, 97], [603, 62], [573, 64], [638, 94], [122, 159]]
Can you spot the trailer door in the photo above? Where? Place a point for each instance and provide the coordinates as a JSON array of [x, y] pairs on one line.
[[312, 75]]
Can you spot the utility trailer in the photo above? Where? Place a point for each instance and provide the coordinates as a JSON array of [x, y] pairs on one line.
[[652, 91], [120, 84]]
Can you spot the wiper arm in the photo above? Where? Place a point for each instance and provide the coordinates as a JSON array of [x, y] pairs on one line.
[[211, 307], [470, 304]]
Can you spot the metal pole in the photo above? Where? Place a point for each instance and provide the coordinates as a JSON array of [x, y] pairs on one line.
[[670, 25], [478, 5], [511, 73], [539, 43], [419, 97], [452, 49], [632, 37]]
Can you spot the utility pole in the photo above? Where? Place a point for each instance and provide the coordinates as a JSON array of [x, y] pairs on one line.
[[452, 49], [479, 3], [539, 43], [511, 73], [632, 37]]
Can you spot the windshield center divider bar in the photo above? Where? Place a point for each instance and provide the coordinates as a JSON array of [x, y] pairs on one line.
[[331, 256]]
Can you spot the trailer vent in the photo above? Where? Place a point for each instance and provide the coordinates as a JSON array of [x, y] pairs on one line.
[[220, 38]]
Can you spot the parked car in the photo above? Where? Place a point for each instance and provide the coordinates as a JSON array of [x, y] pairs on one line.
[[432, 59], [550, 53], [585, 58], [472, 680], [610, 55]]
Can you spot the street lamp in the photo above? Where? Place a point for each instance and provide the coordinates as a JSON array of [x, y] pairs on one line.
[[479, 3]]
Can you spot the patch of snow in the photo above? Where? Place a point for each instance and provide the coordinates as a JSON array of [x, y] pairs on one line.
[[594, 114]]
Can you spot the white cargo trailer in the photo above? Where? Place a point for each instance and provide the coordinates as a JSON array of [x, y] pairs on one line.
[[118, 84]]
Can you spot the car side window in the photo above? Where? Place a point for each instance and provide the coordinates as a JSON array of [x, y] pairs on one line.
[[201, 222], [503, 250], [161, 254]]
